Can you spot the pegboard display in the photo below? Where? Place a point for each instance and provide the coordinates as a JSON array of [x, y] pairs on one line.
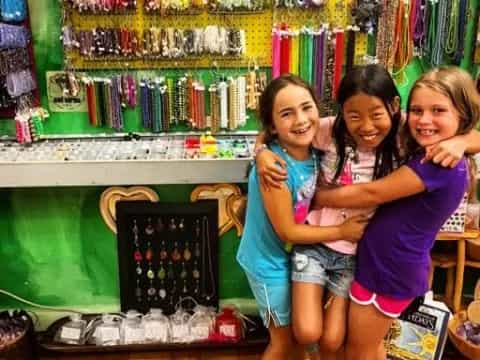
[[257, 25]]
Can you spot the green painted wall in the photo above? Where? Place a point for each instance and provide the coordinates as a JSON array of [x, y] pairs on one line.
[[54, 247], [56, 250]]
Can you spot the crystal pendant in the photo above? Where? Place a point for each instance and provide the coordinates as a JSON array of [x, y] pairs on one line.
[[150, 274], [161, 273]]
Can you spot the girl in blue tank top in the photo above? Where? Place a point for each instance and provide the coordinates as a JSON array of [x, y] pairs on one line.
[[289, 113]]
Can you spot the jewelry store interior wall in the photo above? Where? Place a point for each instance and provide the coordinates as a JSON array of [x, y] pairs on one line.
[[55, 248]]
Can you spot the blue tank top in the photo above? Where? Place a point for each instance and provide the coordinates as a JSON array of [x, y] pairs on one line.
[[262, 254]]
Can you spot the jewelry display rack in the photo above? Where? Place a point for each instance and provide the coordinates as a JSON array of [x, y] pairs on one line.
[[126, 160], [167, 252]]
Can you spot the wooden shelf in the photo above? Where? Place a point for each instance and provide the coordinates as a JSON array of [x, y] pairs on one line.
[[469, 234]]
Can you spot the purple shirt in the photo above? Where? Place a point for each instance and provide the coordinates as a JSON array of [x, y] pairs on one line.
[[394, 255]]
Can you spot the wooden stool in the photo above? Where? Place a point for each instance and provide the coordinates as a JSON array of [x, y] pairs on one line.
[[449, 262]]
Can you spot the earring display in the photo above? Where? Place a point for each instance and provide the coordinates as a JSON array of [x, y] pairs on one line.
[[167, 252]]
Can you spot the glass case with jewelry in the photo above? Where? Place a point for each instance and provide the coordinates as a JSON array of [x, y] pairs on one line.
[[167, 252], [127, 160]]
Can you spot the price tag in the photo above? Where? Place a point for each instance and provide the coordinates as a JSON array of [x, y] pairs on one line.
[[179, 333], [134, 335], [228, 330], [109, 334], [200, 332], [156, 332], [70, 333]]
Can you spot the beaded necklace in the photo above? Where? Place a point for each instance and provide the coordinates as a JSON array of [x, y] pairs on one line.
[[419, 11], [402, 45], [338, 62]]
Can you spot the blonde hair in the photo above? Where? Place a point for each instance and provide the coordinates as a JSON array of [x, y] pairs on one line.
[[457, 85]]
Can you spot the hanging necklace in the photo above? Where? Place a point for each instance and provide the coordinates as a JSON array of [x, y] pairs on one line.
[[207, 262]]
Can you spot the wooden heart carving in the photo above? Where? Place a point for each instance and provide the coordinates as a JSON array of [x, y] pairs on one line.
[[221, 192], [112, 195], [236, 205]]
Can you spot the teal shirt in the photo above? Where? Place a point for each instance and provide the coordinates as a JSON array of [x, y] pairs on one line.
[[262, 254]]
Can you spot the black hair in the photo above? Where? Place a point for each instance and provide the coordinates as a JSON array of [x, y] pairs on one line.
[[372, 80]]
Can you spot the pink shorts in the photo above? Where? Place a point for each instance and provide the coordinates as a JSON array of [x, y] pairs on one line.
[[385, 304]]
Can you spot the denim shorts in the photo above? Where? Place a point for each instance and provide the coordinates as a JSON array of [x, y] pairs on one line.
[[321, 265], [273, 301]]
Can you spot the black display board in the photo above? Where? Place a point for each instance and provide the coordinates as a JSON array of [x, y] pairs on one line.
[[166, 252]]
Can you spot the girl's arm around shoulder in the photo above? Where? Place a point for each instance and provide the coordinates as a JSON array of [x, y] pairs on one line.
[[401, 183], [323, 136], [278, 205], [449, 152]]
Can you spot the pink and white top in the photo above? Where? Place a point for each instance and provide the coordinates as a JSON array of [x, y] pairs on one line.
[[358, 168]]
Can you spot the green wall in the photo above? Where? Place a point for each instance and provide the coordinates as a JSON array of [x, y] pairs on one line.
[[54, 247], [56, 250]]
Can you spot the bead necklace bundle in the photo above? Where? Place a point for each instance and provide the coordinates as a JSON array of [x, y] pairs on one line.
[[309, 54], [106, 98], [476, 57], [29, 122], [179, 100], [196, 103], [236, 5], [156, 43], [432, 29], [187, 100], [13, 36], [299, 4], [20, 82], [350, 47], [17, 78], [437, 31], [418, 17], [172, 6], [255, 84], [457, 30], [154, 102], [165, 7], [14, 60], [386, 34], [403, 44], [102, 6]]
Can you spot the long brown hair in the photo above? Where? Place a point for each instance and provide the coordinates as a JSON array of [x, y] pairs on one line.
[[267, 100]]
